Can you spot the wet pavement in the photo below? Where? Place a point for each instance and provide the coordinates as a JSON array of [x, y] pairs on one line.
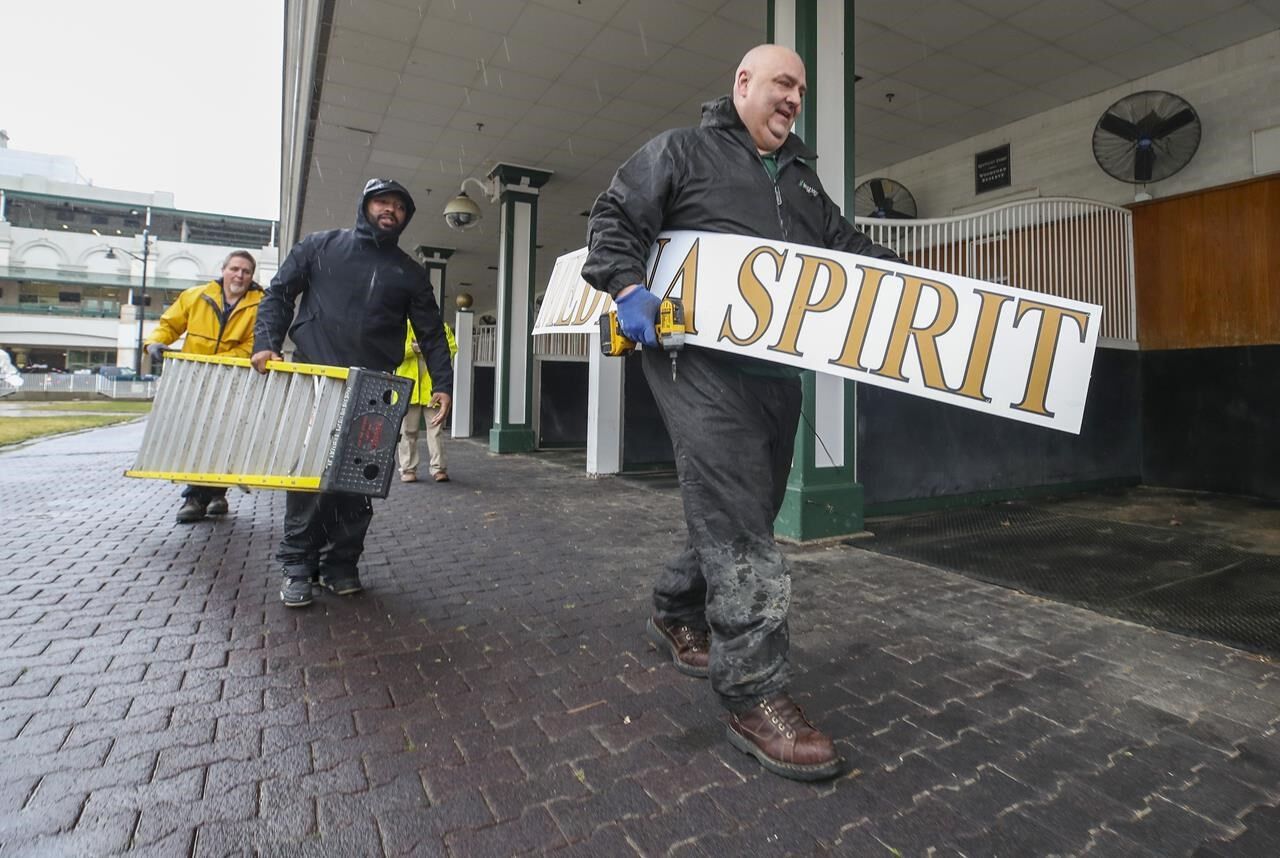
[[491, 693]]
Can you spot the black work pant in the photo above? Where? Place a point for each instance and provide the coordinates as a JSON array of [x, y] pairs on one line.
[[323, 533], [733, 435]]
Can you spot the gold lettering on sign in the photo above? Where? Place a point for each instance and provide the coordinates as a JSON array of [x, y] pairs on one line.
[[868, 293], [925, 337], [984, 336], [687, 277], [657, 260], [589, 305], [568, 300], [756, 295], [802, 299], [1051, 319]]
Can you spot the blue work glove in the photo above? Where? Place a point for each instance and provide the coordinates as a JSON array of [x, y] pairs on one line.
[[637, 316], [156, 352]]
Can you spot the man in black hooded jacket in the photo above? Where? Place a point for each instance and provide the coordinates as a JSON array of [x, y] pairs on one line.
[[358, 289], [720, 607]]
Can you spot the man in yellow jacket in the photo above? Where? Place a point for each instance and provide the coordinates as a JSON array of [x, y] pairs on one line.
[[415, 367], [218, 319]]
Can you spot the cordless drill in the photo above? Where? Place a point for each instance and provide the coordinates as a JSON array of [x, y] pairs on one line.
[[670, 329]]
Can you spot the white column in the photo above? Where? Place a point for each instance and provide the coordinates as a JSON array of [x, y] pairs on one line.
[[829, 421], [513, 374], [829, 404], [604, 410], [513, 404], [463, 373]]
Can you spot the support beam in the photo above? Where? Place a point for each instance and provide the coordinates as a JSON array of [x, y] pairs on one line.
[[436, 261], [605, 377], [518, 186], [464, 364], [823, 498]]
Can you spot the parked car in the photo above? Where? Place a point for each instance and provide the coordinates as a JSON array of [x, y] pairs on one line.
[[124, 373]]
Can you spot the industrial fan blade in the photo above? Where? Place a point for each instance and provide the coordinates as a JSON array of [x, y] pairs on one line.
[[877, 192], [883, 198], [1173, 123], [1146, 137], [1144, 159], [1119, 127]]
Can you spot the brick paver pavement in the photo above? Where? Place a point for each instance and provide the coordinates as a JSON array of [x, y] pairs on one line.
[[492, 693]]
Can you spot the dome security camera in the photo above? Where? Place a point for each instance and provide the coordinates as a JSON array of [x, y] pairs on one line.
[[462, 213]]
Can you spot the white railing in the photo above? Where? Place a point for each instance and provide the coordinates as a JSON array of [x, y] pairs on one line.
[[55, 382], [484, 345], [484, 341], [1062, 246], [566, 347]]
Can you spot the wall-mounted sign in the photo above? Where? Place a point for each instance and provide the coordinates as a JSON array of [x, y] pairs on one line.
[[1001, 350], [991, 169]]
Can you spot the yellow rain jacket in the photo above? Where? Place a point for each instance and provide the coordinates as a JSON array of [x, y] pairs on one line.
[[410, 366], [198, 313]]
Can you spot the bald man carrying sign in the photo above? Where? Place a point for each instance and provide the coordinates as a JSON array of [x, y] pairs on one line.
[[720, 607]]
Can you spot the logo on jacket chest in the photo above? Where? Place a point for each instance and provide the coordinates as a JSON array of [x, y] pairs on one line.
[[808, 188]]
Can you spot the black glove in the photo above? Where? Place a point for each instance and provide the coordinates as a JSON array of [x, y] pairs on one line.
[[156, 351]]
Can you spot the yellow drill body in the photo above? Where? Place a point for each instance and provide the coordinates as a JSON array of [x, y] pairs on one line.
[[669, 325]]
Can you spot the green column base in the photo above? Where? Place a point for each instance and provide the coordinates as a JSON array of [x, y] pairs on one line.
[[820, 512], [510, 439]]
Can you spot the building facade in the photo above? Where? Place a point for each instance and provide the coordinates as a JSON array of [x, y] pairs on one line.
[[72, 262]]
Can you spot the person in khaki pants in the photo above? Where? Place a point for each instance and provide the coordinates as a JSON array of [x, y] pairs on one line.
[[217, 318], [415, 367]]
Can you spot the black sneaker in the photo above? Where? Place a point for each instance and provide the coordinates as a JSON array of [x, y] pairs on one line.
[[295, 592], [217, 506], [341, 583], [191, 510]]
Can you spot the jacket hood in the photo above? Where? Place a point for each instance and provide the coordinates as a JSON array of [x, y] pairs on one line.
[[721, 113], [372, 188]]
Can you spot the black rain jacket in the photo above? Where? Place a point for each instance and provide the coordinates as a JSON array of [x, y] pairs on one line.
[[711, 178], [358, 288]]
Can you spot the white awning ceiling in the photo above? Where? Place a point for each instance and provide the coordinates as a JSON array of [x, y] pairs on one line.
[[431, 91]]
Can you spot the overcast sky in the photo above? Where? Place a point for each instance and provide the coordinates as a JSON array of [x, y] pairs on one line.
[[151, 95]]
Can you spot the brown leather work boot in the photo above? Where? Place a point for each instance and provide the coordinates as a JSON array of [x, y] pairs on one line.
[[690, 648], [777, 734]]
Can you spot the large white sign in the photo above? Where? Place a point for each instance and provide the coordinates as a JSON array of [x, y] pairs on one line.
[[997, 349]]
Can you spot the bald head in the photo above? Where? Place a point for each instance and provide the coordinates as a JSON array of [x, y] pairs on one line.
[[768, 56], [768, 88]]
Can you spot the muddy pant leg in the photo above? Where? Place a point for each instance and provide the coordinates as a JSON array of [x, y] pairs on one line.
[[680, 595], [407, 449], [346, 519], [304, 534], [733, 436]]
